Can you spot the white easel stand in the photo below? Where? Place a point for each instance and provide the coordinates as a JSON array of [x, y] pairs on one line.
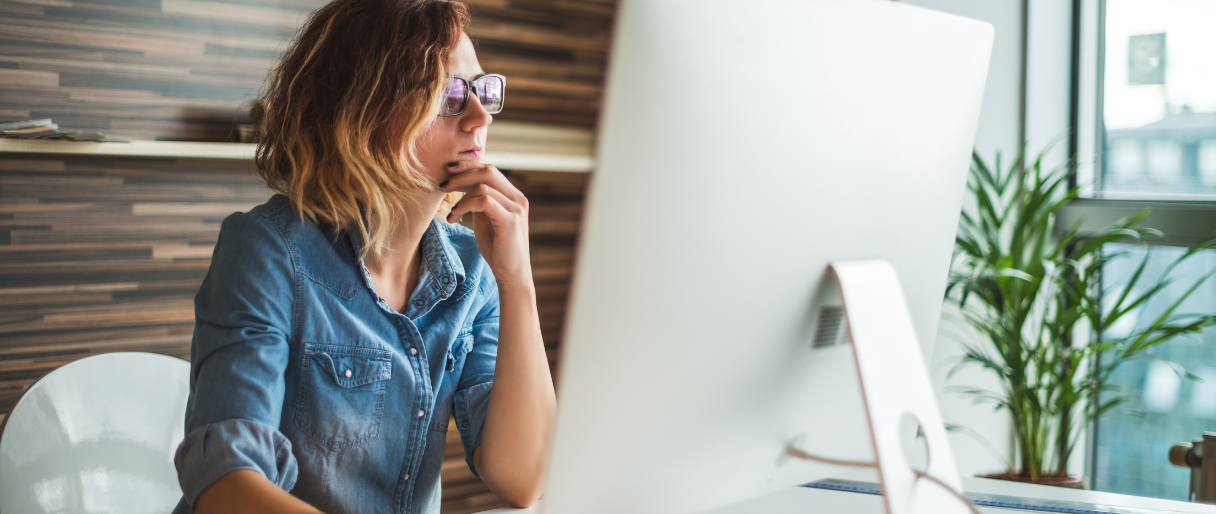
[[895, 382]]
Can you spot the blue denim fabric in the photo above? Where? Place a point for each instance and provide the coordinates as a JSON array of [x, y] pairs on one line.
[[301, 372]]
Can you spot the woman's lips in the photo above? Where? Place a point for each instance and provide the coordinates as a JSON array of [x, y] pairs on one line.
[[473, 152]]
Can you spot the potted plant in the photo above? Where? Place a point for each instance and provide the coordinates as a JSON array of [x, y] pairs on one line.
[[1025, 286]]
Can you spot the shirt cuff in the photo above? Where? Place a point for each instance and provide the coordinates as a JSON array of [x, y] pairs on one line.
[[211, 451], [471, 407]]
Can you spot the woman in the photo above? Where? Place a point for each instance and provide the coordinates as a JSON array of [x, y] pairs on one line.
[[342, 323]]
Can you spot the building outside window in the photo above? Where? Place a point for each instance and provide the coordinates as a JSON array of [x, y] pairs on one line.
[[1156, 133], [1159, 97]]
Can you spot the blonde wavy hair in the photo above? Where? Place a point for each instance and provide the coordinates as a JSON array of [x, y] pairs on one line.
[[344, 108]]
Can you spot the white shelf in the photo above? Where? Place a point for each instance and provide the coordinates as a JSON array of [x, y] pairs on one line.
[[168, 149], [541, 161], [519, 146]]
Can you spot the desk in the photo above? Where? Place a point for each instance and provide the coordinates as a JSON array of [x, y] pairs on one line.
[[821, 501]]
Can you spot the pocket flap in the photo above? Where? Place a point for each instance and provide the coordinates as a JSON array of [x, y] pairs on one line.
[[351, 366], [463, 343]]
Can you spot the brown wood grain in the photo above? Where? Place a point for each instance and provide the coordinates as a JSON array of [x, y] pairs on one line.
[[187, 69], [105, 255]]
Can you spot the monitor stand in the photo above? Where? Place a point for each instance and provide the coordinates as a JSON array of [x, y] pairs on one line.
[[894, 384]]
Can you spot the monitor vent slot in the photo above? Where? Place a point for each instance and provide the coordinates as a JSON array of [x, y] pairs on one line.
[[832, 328]]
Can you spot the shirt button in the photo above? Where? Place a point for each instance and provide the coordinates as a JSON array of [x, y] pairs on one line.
[[407, 476], [445, 280], [413, 351], [464, 424], [421, 413], [347, 373], [419, 302]]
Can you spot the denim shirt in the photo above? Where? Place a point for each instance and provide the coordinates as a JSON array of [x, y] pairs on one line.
[[301, 372]]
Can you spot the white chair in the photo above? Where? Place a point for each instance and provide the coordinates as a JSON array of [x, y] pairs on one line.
[[96, 435]]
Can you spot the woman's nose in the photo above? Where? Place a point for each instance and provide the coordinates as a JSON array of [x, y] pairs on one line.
[[475, 116]]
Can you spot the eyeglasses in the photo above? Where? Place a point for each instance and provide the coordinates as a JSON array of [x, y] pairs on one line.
[[490, 92]]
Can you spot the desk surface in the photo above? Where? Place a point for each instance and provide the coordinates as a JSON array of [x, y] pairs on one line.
[[796, 499]]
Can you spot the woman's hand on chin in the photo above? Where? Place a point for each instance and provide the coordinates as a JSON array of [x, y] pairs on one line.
[[500, 218]]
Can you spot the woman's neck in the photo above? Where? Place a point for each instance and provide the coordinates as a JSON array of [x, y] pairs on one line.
[[394, 272]]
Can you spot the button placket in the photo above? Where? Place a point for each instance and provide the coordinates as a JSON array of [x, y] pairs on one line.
[[412, 340]]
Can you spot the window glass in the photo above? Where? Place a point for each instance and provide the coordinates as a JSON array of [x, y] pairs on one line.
[[1132, 442], [1159, 98]]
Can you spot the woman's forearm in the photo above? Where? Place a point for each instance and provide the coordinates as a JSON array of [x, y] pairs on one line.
[[247, 491], [522, 406]]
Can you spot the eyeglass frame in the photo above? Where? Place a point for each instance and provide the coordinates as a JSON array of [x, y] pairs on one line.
[[470, 91]]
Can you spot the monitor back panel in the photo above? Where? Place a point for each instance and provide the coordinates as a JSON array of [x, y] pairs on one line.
[[743, 146]]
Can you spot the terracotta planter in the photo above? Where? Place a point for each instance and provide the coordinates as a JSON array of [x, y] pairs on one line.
[[1069, 482]]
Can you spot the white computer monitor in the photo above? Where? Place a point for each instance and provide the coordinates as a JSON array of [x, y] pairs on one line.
[[742, 147]]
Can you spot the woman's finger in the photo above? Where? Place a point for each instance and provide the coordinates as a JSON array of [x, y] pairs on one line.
[[507, 202], [519, 203], [471, 201], [456, 167], [485, 204], [473, 173], [469, 173]]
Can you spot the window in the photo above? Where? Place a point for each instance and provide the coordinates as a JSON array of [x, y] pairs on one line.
[[1165, 408], [1145, 91], [1158, 98]]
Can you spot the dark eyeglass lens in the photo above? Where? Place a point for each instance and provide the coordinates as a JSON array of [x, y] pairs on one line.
[[454, 96], [490, 93]]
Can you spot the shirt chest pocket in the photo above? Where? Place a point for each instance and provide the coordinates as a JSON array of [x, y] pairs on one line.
[[341, 395]]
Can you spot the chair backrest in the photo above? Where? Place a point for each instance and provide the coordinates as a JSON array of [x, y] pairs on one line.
[[96, 435]]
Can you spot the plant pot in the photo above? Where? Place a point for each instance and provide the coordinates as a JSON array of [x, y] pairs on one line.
[[1069, 482]]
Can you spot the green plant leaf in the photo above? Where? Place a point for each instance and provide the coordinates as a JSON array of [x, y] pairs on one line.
[[1023, 285]]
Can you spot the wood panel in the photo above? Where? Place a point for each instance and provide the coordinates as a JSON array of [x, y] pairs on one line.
[[185, 69], [102, 255]]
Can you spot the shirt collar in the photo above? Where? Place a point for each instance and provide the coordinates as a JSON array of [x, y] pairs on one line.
[[442, 270], [440, 259]]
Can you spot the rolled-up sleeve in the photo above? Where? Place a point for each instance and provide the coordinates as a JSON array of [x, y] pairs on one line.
[[473, 392], [243, 317], [214, 450]]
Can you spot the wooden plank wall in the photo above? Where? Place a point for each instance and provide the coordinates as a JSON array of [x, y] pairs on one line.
[[105, 255], [185, 69]]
